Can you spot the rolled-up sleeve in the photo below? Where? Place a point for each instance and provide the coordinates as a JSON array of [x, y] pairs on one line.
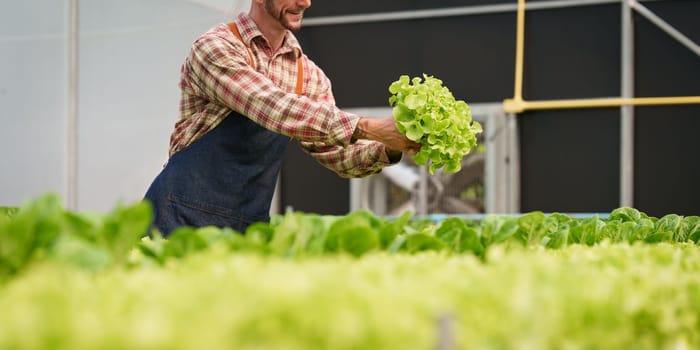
[[361, 159]]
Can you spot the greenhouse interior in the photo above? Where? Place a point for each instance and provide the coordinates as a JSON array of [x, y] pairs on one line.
[[297, 174]]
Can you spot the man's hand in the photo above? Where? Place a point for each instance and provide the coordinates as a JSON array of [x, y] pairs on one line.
[[384, 130]]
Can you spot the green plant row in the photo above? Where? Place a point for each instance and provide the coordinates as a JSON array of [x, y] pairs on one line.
[[608, 296], [43, 229]]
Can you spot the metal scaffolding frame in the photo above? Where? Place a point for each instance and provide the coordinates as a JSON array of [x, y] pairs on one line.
[[626, 101], [72, 128], [509, 201]]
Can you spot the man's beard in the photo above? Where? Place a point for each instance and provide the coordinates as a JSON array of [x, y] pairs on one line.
[[271, 10]]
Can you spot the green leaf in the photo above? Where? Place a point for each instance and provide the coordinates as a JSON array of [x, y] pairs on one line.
[[184, 241], [420, 242], [414, 132], [415, 101], [8, 212], [80, 253], [670, 223], [402, 114], [356, 233], [123, 227], [530, 229], [659, 236], [421, 158], [471, 242], [260, 232], [397, 244], [30, 232], [625, 214], [586, 231], [153, 248], [459, 237], [389, 232], [690, 228], [496, 228], [453, 166]]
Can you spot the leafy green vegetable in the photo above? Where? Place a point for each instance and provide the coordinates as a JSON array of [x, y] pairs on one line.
[[617, 296], [43, 231], [459, 236], [427, 113], [355, 233]]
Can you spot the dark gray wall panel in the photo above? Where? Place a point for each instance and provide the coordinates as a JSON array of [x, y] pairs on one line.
[[473, 55], [570, 157], [309, 187], [667, 160], [664, 67], [572, 53], [667, 164], [344, 7], [570, 160]]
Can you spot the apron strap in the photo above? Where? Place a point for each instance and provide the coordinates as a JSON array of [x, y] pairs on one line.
[[234, 29], [300, 64], [300, 72]]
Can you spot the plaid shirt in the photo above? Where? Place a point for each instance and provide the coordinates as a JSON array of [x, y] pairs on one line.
[[217, 77]]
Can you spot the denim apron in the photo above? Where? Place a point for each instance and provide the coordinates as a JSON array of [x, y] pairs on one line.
[[226, 178]]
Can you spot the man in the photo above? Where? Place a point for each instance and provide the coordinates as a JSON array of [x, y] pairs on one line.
[[247, 88]]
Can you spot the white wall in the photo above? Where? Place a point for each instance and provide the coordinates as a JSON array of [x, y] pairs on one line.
[[130, 52], [32, 98]]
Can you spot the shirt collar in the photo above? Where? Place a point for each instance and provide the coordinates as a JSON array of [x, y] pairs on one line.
[[249, 31]]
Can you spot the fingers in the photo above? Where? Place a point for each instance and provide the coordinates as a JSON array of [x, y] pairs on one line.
[[384, 130], [414, 149]]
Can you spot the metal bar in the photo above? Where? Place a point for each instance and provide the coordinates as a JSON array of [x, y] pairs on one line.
[[670, 30], [379, 195], [491, 188], [513, 164], [276, 203], [519, 50], [356, 193], [513, 106], [422, 202], [72, 122], [497, 167], [627, 111], [446, 12]]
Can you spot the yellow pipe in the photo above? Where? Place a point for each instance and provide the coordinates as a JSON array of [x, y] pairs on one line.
[[515, 106], [519, 48], [518, 105]]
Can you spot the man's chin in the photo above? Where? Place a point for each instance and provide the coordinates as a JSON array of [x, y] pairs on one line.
[[292, 21], [293, 26]]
